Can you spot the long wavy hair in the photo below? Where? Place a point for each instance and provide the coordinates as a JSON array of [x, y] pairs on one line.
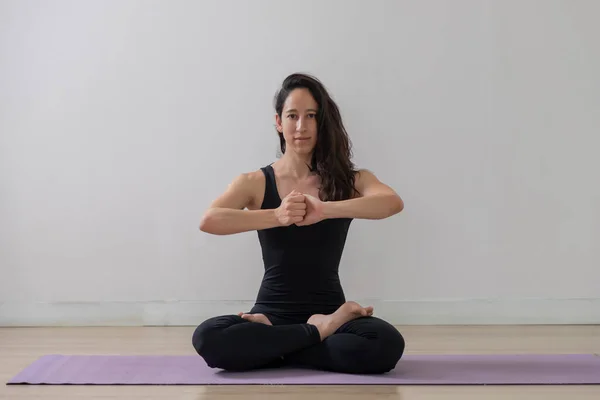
[[331, 158]]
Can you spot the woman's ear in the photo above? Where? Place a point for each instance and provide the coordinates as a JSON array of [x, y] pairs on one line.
[[278, 123]]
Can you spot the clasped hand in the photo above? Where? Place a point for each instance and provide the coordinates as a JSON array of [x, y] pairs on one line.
[[300, 209]]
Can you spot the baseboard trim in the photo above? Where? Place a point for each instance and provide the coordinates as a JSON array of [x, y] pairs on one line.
[[398, 312]]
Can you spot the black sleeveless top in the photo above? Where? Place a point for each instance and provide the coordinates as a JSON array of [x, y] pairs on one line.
[[301, 262]]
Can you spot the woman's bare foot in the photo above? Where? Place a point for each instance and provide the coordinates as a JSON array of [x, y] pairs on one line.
[[328, 324], [260, 318]]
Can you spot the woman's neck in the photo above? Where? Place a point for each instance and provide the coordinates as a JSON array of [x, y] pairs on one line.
[[295, 165]]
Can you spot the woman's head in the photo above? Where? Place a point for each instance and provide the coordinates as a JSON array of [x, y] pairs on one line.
[[309, 123]]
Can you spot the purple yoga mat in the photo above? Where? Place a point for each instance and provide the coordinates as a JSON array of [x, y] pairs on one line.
[[411, 370]]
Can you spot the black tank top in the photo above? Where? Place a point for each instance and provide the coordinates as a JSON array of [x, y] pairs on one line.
[[301, 262]]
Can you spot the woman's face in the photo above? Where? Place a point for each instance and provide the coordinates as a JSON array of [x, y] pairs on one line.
[[298, 121]]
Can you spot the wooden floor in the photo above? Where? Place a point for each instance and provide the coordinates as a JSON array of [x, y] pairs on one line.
[[21, 346]]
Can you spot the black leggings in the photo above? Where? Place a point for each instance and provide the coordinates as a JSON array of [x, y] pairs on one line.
[[366, 345]]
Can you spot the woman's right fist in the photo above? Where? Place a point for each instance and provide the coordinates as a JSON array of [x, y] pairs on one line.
[[292, 209]]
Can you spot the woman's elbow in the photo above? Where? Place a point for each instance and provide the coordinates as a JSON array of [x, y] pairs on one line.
[[207, 221], [397, 205]]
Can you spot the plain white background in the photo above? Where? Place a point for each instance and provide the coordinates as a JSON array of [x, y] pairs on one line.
[[120, 121]]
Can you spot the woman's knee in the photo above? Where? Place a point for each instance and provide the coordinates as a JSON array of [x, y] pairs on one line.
[[392, 349], [206, 338], [391, 345], [387, 347]]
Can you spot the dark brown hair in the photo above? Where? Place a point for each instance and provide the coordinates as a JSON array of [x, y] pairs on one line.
[[332, 155]]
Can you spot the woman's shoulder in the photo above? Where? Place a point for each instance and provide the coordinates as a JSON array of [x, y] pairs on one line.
[[252, 177], [362, 174], [363, 179], [254, 184]]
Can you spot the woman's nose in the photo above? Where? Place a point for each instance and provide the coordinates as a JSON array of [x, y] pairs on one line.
[[301, 124]]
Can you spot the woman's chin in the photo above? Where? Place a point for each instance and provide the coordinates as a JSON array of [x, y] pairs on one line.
[[303, 150]]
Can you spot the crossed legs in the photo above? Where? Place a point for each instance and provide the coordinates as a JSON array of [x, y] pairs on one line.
[[357, 343]]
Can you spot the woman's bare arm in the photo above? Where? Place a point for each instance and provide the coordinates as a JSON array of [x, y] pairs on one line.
[[228, 215], [376, 201]]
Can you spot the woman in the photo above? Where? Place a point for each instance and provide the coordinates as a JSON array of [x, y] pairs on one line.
[[302, 206]]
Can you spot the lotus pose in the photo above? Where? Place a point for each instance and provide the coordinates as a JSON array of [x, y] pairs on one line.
[[301, 206]]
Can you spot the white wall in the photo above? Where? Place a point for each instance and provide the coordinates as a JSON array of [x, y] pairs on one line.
[[121, 120]]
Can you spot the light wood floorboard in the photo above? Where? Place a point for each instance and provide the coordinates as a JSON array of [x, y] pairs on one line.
[[21, 346]]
